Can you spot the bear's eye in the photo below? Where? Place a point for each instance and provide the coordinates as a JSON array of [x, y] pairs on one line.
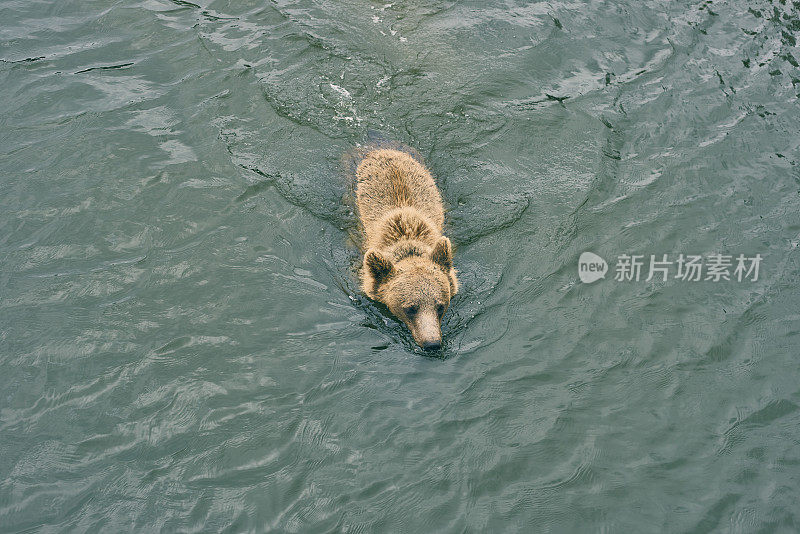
[[411, 311], [440, 310]]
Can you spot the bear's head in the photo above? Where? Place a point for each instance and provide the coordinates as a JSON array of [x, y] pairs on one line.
[[417, 289]]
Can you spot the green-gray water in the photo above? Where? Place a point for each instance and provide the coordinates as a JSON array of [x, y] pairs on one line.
[[183, 345]]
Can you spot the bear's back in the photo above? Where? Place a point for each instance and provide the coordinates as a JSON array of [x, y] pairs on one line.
[[388, 179]]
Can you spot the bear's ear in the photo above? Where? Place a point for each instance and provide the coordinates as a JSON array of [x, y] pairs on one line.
[[380, 267], [442, 254]]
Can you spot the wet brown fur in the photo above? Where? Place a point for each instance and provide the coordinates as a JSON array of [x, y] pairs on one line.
[[407, 261]]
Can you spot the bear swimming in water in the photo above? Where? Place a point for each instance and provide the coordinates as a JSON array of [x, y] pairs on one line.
[[408, 263]]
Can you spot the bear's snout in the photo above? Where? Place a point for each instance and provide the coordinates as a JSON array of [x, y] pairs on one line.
[[427, 332], [432, 345]]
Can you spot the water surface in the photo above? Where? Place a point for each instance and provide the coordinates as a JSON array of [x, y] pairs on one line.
[[183, 345]]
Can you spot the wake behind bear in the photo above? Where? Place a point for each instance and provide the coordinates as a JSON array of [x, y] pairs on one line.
[[408, 263]]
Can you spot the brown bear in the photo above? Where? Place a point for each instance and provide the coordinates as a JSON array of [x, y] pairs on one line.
[[408, 263]]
